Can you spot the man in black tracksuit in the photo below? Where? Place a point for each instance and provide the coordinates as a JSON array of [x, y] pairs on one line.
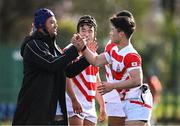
[[45, 71]]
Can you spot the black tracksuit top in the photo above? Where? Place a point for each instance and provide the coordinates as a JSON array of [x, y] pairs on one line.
[[44, 79]]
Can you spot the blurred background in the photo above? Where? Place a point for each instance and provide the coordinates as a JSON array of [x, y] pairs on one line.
[[157, 39]]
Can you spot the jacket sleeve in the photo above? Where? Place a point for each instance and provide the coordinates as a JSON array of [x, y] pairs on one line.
[[37, 54], [76, 67]]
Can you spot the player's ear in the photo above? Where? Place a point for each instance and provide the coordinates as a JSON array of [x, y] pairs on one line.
[[95, 33], [121, 34]]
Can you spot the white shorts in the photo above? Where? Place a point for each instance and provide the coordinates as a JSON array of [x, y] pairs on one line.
[[114, 109], [136, 109], [83, 116], [132, 109]]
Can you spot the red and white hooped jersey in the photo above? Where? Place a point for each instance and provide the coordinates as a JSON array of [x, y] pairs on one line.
[[84, 86], [120, 62]]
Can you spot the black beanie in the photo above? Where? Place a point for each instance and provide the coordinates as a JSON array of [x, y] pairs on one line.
[[40, 17]]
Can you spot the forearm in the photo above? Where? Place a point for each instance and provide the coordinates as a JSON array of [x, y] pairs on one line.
[[98, 96], [102, 112], [90, 56], [70, 90], [77, 67], [135, 80], [43, 59], [100, 100], [127, 84], [94, 58]]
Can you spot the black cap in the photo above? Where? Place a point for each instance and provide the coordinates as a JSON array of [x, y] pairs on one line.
[[87, 19]]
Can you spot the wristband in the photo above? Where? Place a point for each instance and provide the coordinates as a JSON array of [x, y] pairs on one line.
[[83, 48]]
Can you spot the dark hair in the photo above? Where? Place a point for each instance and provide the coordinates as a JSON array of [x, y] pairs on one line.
[[125, 13], [88, 20], [123, 22]]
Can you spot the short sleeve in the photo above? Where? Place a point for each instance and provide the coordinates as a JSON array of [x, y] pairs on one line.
[[108, 57], [109, 47], [132, 60], [107, 51]]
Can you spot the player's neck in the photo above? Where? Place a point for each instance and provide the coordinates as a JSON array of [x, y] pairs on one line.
[[123, 43]]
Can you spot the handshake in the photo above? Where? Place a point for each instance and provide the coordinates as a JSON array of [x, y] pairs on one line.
[[79, 42]]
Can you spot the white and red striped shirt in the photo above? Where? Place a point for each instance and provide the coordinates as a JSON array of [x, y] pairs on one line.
[[84, 86], [120, 62]]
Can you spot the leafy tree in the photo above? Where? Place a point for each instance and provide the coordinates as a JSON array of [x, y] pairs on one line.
[[66, 30], [16, 16]]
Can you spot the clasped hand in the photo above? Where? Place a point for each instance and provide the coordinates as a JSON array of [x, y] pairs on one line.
[[78, 41]]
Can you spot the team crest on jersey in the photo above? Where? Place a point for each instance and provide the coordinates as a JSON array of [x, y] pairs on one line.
[[134, 64], [118, 68]]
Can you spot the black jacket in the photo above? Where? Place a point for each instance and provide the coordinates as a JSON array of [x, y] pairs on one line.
[[45, 71]]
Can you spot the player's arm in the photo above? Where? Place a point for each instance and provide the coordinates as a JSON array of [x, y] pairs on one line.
[[133, 64], [37, 54], [77, 108], [94, 58], [135, 80], [100, 100]]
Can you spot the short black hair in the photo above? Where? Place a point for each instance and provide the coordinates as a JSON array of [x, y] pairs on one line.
[[125, 13], [88, 20], [122, 22]]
